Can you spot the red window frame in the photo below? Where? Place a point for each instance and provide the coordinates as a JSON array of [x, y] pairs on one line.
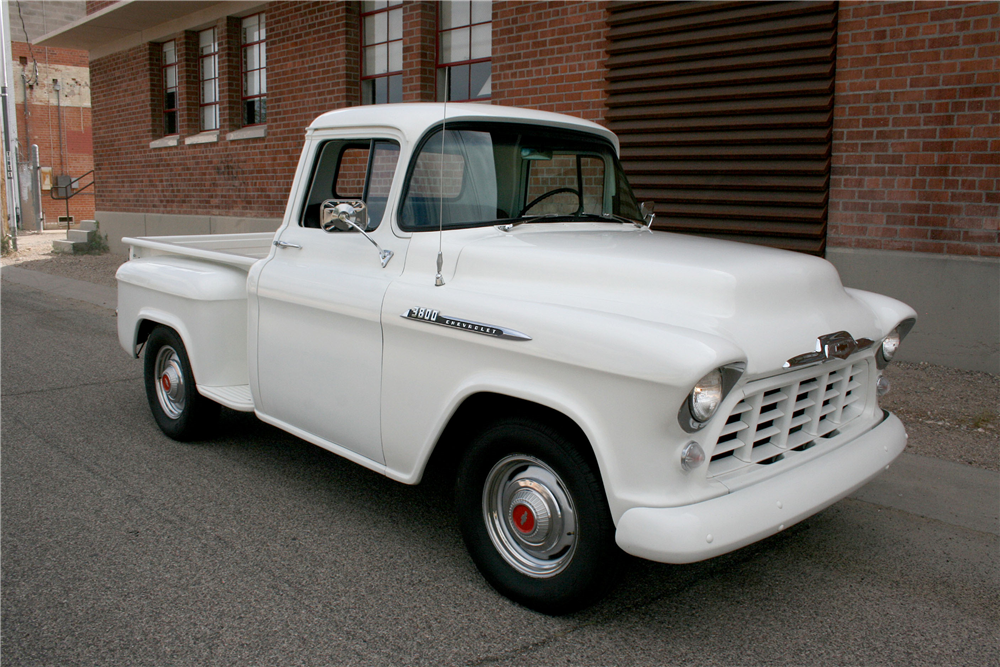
[[247, 122], [458, 63], [201, 81], [388, 75], [169, 111]]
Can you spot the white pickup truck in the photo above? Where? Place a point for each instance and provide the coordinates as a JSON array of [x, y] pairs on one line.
[[480, 283]]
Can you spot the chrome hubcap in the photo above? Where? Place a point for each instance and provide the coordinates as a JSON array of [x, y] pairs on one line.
[[169, 382], [530, 516]]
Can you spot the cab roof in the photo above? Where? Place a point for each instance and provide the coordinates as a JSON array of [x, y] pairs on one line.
[[413, 120]]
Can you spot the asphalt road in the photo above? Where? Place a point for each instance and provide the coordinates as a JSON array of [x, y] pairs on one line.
[[122, 547]]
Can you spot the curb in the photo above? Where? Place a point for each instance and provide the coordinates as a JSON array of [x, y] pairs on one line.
[[954, 493]]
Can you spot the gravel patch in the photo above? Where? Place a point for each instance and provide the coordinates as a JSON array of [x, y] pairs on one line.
[[34, 251], [98, 269], [949, 413]]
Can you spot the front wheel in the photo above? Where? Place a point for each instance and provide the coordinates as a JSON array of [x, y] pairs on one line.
[[534, 517], [180, 411]]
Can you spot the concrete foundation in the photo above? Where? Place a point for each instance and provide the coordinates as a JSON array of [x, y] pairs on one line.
[[118, 225], [957, 300]]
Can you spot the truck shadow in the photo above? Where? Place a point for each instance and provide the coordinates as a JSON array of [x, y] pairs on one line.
[[423, 519]]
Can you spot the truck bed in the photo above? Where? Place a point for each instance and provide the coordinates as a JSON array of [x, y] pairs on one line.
[[240, 250]]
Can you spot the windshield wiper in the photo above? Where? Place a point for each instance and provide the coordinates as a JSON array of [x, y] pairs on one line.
[[612, 217], [508, 224]]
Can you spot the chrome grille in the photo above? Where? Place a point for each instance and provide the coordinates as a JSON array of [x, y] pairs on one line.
[[772, 421]]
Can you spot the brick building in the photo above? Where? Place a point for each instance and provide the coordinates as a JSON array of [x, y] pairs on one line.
[[52, 98], [864, 132]]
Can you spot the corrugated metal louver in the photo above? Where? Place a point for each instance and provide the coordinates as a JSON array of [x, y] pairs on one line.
[[725, 114]]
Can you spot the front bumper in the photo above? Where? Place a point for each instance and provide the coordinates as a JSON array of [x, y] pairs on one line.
[[720, 525]]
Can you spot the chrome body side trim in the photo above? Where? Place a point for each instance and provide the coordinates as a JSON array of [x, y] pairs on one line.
[[431, 316]]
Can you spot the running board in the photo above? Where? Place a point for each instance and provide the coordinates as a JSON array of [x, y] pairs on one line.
[[236, 397]]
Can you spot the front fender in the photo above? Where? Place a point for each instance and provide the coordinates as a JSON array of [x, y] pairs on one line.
[[620, 379], [888, 311]]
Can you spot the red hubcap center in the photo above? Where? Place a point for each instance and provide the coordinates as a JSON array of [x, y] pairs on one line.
[[165, 381], [524, 519]]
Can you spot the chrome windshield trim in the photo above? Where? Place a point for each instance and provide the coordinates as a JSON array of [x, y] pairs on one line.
[[431, 316]]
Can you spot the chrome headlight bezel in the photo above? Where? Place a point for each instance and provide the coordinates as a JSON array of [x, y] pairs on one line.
[[890, 344], [729, 375]]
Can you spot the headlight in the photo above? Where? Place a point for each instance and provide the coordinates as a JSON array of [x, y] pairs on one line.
[[890, 345], [706, 396]]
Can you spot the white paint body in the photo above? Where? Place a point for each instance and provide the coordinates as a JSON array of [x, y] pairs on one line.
[[623, 323]]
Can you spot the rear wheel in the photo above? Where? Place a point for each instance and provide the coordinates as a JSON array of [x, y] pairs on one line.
[[180, 411], [534, 517]]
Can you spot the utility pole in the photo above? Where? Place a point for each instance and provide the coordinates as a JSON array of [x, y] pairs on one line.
[[9, 128]]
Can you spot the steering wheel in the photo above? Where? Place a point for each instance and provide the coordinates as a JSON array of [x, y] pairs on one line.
[[548, 194]]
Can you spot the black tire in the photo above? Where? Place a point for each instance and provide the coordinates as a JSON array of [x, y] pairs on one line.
[[535, 518], [179, 410]]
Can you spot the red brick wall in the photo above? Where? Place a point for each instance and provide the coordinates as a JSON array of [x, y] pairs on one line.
[[545, 55], [76, 155], [550, 56], [917, 128], [307, 73], [420, 51]]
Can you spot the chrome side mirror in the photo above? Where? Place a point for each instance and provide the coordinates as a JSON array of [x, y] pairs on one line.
[[343, 215], [646, 209], [340, 215]]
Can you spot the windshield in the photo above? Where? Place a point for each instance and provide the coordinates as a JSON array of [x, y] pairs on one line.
[[490, 174]]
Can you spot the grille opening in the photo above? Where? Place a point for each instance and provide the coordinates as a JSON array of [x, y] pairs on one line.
[[726, 438], [719, 457], [770, 425]]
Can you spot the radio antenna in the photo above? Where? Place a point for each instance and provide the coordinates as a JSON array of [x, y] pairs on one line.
[[438, 278]]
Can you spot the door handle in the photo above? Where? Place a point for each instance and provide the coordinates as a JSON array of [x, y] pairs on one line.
[[286, 244]]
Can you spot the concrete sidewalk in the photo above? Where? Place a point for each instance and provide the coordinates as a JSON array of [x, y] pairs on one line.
[[956, 494]]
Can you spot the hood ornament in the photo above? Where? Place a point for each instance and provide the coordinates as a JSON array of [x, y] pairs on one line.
[[837, 345]]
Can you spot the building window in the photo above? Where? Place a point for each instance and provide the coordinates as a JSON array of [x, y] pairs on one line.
[[465, 45], [254, 70], [382, 55], [169, 67], [208, 74]]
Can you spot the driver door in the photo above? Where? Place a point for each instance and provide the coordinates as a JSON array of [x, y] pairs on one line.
[[319, 352]]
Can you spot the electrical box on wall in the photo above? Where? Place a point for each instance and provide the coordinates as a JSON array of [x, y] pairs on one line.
[[64, 187]]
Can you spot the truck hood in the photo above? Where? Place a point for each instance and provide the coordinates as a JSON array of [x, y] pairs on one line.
[[772, 304]]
